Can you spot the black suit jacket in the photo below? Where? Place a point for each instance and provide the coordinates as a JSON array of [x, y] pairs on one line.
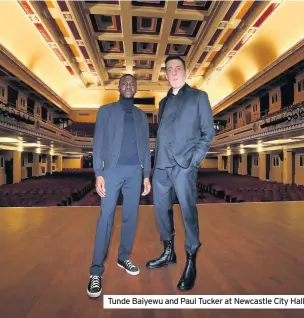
[[193, 129]]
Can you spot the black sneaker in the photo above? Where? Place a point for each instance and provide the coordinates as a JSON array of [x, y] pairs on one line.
[[94, 286], [129, 267]]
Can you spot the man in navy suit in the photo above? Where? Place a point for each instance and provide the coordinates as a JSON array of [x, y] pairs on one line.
[[184, 136], [121, 160]]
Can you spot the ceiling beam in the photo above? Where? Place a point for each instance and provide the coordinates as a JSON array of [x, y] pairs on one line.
[[233, 40], [107, 9], [121, 56], [138, 71], [141, 85], [112, 56], [101, 36], [182, 40], [126, 22], [50, 24], [218, 15], [86, 32], [189, 15], [145, 38], [165, 33]]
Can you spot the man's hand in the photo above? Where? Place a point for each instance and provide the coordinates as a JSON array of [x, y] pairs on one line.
[[147, 186], [100, 186]]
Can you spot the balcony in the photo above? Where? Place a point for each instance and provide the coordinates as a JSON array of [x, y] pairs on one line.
[[286, 120], [20, 122]]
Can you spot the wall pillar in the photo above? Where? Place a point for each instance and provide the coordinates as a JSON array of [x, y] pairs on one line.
[[230, 163], [59, 163], [36, 165], [262, 165], [287, 167], [220, 163], [243, 165], [49, 164]]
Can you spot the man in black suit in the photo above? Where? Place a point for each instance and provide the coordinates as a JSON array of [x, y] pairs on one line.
[[184, 136]]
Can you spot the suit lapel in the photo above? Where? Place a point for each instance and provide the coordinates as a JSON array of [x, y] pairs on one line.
[[119, 118], [181, 101], [180, 104], [162, 107], [137, 124]]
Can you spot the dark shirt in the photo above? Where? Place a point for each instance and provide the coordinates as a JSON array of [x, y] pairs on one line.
[[164, 157], [128, 151]]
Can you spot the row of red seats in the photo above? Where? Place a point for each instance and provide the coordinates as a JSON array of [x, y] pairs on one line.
[[238, 188], [58, 189]]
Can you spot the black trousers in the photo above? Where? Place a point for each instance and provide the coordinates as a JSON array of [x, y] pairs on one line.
[[182, 182]]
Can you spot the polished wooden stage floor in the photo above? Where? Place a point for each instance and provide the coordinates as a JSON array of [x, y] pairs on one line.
[[45, 254]]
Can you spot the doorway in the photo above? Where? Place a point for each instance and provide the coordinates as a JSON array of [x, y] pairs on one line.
[[87, 162], [236, 161], [12, 96], [287, 94], [249, 165], [264, 105], [29, 172], [248, 114], [234, 120], [293, 165], [267, 166], [9, 171]]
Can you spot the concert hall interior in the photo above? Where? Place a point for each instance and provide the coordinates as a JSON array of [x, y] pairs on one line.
[[62, 60]]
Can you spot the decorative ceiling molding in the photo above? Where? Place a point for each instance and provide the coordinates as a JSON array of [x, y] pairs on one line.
[[86, 30], [160, 28], [40, 17], [248, 19], [102, 40], [166, 28]]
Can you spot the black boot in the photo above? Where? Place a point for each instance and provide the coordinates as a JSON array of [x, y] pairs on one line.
[[187, 280], [166, 258]]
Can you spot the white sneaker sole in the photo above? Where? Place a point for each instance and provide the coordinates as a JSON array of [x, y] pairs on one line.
[[94, 295], [131, 273]]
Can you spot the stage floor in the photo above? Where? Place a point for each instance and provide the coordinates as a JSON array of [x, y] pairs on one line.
[[249, 248]]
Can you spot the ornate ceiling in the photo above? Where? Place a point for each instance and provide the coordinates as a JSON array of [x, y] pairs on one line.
[[96, 42]]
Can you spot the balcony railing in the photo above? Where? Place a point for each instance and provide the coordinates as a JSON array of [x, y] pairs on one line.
[[17, 120], [285, 117]]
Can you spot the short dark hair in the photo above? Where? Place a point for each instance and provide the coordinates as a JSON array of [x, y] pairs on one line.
[[125, 75], [175, 57]]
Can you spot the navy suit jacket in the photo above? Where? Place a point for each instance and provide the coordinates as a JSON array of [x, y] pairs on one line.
[[108, 137], [193, 129]]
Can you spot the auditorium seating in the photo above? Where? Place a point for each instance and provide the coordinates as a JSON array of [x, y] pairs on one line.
[[60, 189], [238, 188], [77, 187], [92, 198]]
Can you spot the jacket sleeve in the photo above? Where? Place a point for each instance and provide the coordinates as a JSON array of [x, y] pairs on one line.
[[98, 142], [147, 158], [206, 129], [160, 110]]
